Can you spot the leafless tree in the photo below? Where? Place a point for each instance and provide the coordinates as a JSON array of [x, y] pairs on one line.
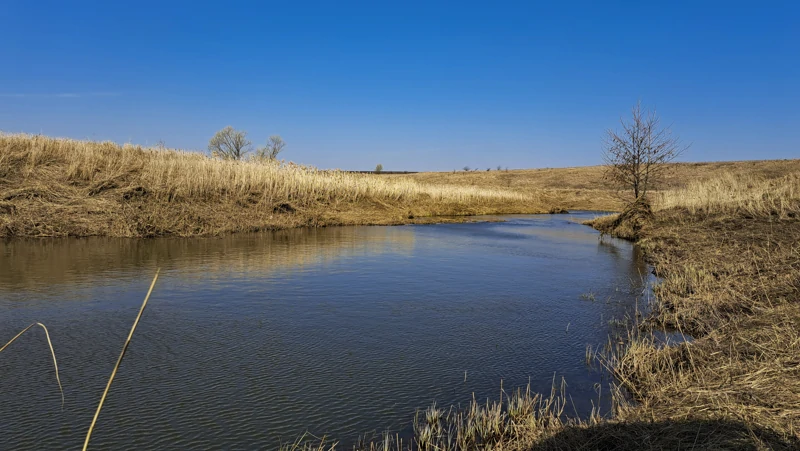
[[378, 168], [229, 144], [636, 157], [274, 146]]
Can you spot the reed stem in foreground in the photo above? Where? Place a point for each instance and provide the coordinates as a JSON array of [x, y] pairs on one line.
[[52, 352], [119, 361]]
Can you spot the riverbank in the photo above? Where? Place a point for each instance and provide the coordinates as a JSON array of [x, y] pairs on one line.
[[727, 252], [62, 187]]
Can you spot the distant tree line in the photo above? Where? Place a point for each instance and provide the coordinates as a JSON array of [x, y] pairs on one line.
[[468, 169]]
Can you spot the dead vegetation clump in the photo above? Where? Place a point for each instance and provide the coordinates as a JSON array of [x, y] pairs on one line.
[[627, 224]]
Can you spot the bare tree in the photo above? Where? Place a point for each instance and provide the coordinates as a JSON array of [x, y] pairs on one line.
[[275, 145], [378, 168], [637, 156], [229, 144]]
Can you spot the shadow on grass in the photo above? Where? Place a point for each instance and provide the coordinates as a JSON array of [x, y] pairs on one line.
[[669, 435]]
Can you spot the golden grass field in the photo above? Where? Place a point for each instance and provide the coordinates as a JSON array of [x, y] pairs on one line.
[[64, 187], [583, 188]]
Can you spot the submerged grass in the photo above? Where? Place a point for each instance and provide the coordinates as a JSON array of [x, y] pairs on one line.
[[513, 422]]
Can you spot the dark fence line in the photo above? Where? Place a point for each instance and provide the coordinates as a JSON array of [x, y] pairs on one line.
[[383, 172]]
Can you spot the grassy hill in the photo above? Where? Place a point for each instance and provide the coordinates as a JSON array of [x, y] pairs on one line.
[[63, 187]]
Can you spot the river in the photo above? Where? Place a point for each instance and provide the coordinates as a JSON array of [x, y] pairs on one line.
[[251, 340]]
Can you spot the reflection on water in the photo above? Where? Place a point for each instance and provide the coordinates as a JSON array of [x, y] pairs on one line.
[[250, 340], [32, 264]]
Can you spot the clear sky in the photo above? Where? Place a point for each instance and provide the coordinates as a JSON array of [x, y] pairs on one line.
[[411, 85]]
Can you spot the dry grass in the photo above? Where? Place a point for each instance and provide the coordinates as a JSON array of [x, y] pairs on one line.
[[174, 174], [748, 196], [56, 187], [514, 422], [745, 194], [114, 371], [728, 253], [678, 176], [583, 188], [63, 187], [567, 188]]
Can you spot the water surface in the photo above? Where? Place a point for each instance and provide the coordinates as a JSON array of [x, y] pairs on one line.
[[250, 340]]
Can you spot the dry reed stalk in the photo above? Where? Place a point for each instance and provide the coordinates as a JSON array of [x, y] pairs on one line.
[[310, 442], [737, 193], [180, 174], [119, 361], [52, 352]]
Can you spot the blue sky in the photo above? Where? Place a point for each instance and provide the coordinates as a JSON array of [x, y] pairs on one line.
[[411, 85]]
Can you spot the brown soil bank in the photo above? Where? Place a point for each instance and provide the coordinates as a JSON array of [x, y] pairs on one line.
[[62, 187]]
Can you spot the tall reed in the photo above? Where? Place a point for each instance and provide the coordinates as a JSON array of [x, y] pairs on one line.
[[119, 361], [52, 353], [177, 174], [737, 193]]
